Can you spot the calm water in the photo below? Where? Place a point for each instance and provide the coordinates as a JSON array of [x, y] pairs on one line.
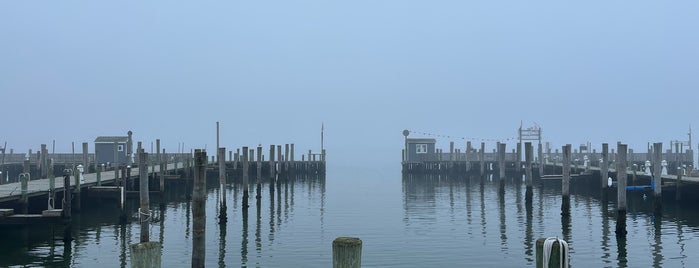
[[403, 222]]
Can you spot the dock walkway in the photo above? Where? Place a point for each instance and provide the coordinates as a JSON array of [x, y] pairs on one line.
[[13, 191]]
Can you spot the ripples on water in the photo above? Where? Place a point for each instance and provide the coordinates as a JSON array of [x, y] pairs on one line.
[[403, 222]]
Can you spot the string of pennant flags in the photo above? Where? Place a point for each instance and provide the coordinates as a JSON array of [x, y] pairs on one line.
[[460, 137]]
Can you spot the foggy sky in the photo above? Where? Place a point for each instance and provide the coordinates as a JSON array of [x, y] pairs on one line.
[[273, 71]]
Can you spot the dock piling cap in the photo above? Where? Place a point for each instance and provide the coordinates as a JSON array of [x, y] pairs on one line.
[[347, 242], [406, 132]]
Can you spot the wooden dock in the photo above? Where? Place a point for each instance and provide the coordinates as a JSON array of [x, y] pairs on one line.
[[12, 191]]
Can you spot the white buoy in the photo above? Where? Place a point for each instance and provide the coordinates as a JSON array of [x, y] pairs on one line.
[[664, 170], [647, 168], [609, 181]]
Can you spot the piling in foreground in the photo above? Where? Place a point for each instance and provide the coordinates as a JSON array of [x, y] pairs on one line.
[[347, 252]]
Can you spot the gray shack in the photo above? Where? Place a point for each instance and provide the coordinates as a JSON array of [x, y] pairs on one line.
[[421, 150], [105, 149]]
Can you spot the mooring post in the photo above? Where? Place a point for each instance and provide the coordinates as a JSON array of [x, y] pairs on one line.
[[541, 159], [199, 210], [78, 182], [528, 156], [557, 255], [518, 161], [565, 183], [144, 212], [52, 186], [501, 159], [99, 168], [237, 158], [482, 158], [67, 214], [259, 165], [67, 198], [161, 174], [604, 165], [621, 189], [657, 178], [115, 163], [291, 155], [222, 215], [347, 252], [24, 181], [245, 178], [271, 163], [678, 185], [86, 162]]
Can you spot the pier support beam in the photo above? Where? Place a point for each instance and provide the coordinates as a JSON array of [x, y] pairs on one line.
[[222, 215], [246, 193], [657, 178], [541, 159], [565, 182], [144, 212], [528, 156], [518, 161], [501, 165], [482, 158], [621, 189], [199, 210], [259, 173], [604, 166], [272, 170]]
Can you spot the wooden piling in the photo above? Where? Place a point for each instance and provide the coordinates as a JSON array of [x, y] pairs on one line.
[[259, 165], [199, 210], [115, 163], [604, 165], [565, 182], [291, 154], [678, 185], [482, 158], [86, 162], [528, 156], [501, 159], [518, 160], [554, 258], [67, 198], [144, 212], [161, 174], [146, 255], [657, 178], [222, 214], [99, 168], [271, 163], [541, 159], [621, 189], [78, 188], [347, 252], [24, 188], [245, 178]]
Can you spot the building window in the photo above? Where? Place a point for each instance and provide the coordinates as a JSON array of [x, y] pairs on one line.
[[421, 148], [120, 148]]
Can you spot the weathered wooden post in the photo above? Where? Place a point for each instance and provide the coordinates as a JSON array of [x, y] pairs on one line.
[[222, 215], [621, 189], [24, 199], [501, 159], [347, 252], [678, 185], [161, 174], [144, 212], [67, 198], [551, 252], [52, 186], [78, 178], [245, 178], [199, 210], [271, 163], [528, 156], [604, 165], [482, 158], [99, 168], [518, 161], [115, 164], [259, 165], [291, 155], [657, 178], [86, 162], [565, 183], [66, 206], [541, 159]]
